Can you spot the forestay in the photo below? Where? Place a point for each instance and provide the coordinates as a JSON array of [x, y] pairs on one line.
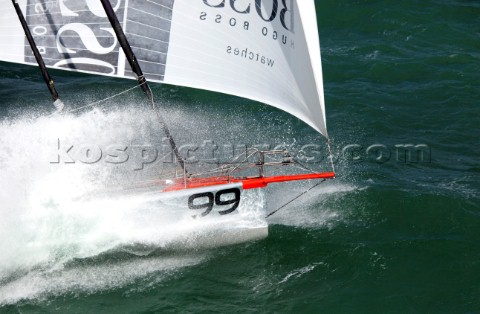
[[262, 50]]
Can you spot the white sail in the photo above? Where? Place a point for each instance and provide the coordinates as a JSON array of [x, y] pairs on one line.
[[262, 50]]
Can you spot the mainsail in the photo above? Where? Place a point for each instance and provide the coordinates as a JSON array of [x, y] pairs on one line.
[[266, 50]]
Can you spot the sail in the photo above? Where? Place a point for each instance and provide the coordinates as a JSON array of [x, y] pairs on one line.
[[265, 50]]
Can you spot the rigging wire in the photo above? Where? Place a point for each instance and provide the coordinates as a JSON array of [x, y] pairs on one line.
[[308, 190], [96, 102], [135, 66], [294, 199], [330, 154], [105, 99]]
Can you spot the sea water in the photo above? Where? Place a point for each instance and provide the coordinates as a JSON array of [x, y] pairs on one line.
[[392, 234]]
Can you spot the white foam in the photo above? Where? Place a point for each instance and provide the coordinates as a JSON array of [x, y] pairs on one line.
[[297, 273], [314, 209], [39, 285], [46, 225]]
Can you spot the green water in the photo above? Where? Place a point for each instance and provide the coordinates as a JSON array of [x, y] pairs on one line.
[[387, 236]]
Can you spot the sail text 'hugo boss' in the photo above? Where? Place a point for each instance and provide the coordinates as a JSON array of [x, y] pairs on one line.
[[282, 11]]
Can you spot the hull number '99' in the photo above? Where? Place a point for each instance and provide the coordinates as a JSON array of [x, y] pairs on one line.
[[207, 200]]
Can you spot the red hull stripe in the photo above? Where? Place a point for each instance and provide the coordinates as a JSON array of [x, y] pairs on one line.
[[263, 182], [249, 183]]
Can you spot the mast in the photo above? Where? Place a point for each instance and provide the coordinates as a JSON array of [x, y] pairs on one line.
[[48, 80], [132, 60]]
